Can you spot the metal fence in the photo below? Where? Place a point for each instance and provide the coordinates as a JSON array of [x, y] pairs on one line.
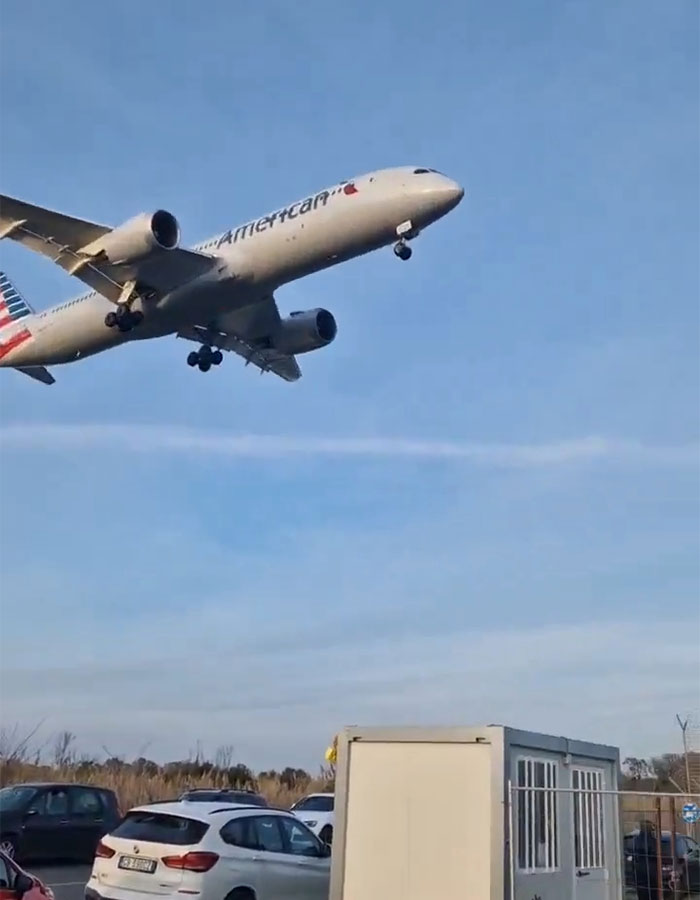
[[619, 844], [661, 851]]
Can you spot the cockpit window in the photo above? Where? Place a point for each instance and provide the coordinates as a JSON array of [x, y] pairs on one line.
[[425, 171]]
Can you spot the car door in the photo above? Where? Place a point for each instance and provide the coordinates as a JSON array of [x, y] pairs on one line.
[[313, 864], [6, 880], [46, 832], [276, 870], [87, 817], [692, 865]]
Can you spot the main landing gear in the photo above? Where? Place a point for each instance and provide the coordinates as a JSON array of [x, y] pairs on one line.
[[123, 318], [405, 232], [205, 358]]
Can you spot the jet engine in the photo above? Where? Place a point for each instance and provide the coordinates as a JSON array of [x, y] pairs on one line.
[[139, 237], [301, 332]]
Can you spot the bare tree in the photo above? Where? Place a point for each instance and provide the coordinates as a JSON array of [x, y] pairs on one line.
[[223, 758], [64, 751], [16, 746]]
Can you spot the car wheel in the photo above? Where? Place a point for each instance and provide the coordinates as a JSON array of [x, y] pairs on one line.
[[8, 845], [326, 834]]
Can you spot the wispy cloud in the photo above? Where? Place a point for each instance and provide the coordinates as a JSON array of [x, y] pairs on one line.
[[165, 439], [485, 674]]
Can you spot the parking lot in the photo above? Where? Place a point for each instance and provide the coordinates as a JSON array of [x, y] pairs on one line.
[[67, 881]]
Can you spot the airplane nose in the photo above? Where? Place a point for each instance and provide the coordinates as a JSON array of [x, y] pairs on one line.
[[453, 193]]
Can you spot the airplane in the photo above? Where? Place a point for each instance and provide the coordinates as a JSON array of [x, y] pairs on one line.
[[220, 294]]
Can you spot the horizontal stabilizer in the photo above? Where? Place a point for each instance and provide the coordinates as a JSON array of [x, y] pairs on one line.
[[37, 372]]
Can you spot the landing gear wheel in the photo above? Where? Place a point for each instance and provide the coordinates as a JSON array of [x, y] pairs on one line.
[[123, 318], [205, 358], [402, 250]]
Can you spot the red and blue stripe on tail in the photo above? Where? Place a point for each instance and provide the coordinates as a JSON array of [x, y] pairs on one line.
[[13, 306], [14, 327]]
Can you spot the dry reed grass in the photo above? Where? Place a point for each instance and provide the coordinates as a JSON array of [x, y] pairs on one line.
[[136, 783]]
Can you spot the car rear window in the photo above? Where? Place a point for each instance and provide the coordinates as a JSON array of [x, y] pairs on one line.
[[160, 828]]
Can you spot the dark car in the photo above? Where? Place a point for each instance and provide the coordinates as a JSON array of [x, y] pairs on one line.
[[207, 795], [55, 821], [684, 874]]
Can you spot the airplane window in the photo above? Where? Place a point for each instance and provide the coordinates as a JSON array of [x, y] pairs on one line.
[[421, 171]]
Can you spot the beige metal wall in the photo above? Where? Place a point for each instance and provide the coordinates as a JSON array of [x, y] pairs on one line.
[[419, 821]]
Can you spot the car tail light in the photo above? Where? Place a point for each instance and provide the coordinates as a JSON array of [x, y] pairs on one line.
[[194, 861], [102, 851]]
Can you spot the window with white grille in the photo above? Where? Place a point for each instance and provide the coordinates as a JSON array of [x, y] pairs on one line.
[[538, 837], [589, 825]]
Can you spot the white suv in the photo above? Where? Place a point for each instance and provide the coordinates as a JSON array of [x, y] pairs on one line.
[[317, 811], [214, 851]]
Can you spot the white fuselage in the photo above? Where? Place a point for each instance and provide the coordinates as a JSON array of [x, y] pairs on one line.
[[318, 231]]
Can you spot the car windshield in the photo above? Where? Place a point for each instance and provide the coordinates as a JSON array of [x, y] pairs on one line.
[[15, 798], [316, 804]]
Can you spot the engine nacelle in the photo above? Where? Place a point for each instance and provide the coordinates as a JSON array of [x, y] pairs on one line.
[[140, 236], [305, 331]]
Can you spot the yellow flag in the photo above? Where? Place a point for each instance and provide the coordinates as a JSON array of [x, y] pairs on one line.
[[332, 752]]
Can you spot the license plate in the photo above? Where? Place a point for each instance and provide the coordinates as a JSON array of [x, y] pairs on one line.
[[137, 864]]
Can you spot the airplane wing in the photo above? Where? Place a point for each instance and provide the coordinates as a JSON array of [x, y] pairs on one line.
[[247, 332], [63, 240]]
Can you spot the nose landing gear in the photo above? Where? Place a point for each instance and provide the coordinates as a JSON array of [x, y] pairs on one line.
[[402, 250], [205, 358], [405, 232]]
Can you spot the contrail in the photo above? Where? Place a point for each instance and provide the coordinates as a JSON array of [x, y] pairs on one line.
[[50, 438]]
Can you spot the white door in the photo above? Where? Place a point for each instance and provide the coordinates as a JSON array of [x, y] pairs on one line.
[[286, 871], [590, 865], [312, 876]]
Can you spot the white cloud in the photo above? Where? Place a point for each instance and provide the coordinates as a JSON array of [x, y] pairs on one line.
[[175, 440], [584, 680]]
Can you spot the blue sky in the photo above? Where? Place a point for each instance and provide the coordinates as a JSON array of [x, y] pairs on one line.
[[481, 503]]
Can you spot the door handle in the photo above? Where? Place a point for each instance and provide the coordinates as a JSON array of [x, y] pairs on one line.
[[582, 874], [65, 822]]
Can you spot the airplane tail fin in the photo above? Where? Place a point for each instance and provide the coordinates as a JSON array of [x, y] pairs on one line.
[[13, 309], [13, 306]]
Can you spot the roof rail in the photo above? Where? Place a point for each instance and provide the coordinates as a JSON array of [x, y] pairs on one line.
[[263, 810]]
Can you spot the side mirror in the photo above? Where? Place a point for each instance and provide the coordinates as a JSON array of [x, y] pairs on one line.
[[23, 884], [325, 849]]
